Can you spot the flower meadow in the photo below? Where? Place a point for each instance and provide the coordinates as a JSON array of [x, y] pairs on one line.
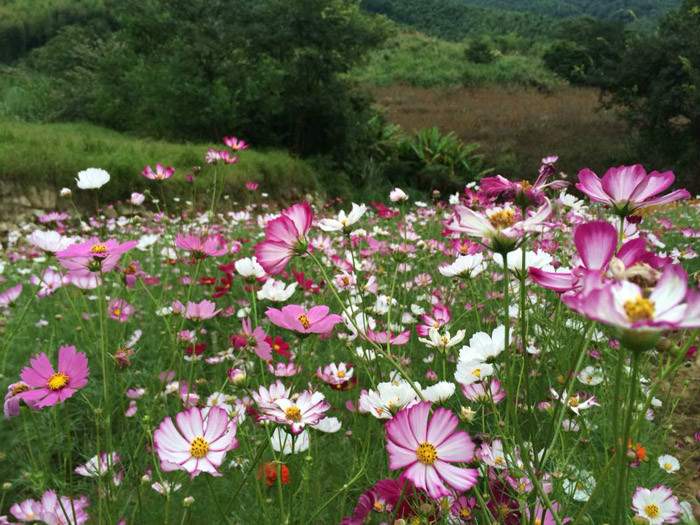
[[510, 354]]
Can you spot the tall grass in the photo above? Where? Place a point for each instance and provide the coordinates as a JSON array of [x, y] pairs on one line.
[[52, 154]]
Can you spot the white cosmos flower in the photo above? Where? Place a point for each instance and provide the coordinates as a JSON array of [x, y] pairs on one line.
[[146, 241], [590, 376], [388, 399], [582, 486], [657, 505], [249, 267], [439, 392], [343, 221], [484, 347], [92, 179], [464, 266], [442, 342], [274, 290], [468, 373], [282, 441], [328, 425], [539, 259], [669, 463], [50, 241], [397, 194]]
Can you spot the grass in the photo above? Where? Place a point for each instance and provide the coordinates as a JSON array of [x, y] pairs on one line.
[[516, 127], [417, 60], [52, 154]]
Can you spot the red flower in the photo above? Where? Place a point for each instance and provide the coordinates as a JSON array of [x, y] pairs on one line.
[[269, 472], [224, 287], [278, 345]]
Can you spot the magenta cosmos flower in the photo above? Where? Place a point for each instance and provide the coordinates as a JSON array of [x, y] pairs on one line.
[[629, 188], [316, 320], [159, 174], [596, 243], [48, 387], [198, 443], [523, 191], [427, 446], [120, 310], [285, 237], [199, 248], [641, 316], [93, 255], [307, 409], [235, 143]]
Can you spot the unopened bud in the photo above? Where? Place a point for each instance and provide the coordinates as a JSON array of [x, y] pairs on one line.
[[189, 500], [6, 486], [236, 376], [664, 344], [65, 192]]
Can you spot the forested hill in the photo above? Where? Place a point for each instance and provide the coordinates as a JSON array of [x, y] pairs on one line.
[[456, 20], [459, 19], [624, 10]]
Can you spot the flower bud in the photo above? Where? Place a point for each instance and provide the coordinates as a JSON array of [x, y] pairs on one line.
[[467, 414], [65, 192]]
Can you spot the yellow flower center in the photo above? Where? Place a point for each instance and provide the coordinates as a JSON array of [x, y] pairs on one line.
[[18, 389], [498, 461], [293, 413], [465, 513], [57, 381], [573, 402], [525, 185], [304, 321], [668, 466], [652, 510], [639, 309], [444, 340], [426, 453], [379, 506], [502, 219], [199, 447], [341, 374], [477, 372], [117, 312], [99, 248], [538, 521]]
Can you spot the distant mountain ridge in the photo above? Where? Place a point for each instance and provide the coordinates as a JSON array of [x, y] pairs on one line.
[[624, 10]]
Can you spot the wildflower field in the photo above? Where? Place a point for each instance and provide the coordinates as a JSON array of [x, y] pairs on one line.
[[516, 353]]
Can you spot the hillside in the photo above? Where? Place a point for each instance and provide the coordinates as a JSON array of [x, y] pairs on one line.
[[455, 20], [643, 12]]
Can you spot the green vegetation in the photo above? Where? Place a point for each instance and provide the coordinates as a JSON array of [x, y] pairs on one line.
[[455, 20], [640, 13], [417, 60], [52, 154]]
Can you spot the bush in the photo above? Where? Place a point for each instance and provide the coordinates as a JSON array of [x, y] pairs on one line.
[[480, 52]]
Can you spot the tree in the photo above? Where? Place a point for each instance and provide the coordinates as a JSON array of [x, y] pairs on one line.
[[658, 84]]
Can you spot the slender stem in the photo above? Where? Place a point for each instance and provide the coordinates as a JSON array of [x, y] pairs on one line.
[[621, 506]]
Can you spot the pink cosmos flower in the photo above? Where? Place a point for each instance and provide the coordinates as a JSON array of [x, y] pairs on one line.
[[523, 191], [9, 296], [49, 282], [199, 248], [252, 186], [235, 144], [629, 188], [98, 465], [160, 173], [285, 237], [480, 392], [335, 374], [499, 228], [625, 305], [439, 316], [385, 337], [49, 387], [216, 156], [13, 397], [308, 409], [256, 339], [120, 310], [201, 311], [283, 369], [93, 255], [316, 320], [198, 443], [427, 446], [49, 510], [266, 397]]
